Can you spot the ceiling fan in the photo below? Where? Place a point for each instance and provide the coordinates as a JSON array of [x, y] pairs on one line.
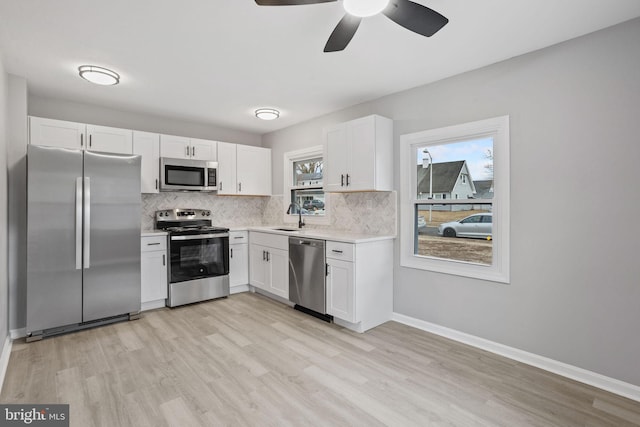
[[410, 15]]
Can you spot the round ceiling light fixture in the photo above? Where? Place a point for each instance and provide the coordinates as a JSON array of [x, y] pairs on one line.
[[364, 8], [267, 113], [99, 75]]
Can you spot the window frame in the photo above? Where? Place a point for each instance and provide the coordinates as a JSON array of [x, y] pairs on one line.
[[498, 129], [290, 158]]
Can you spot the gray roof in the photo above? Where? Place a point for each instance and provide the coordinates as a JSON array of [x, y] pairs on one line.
[[482, 189], [445, 176]]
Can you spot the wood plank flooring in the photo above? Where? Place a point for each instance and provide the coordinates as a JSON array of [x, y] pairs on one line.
[[249, 361]]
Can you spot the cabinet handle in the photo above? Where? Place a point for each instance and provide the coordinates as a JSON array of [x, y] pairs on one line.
[[231, 253], [264, 255], [153, 244], [239, 187], [326, 270], [193, 151], [89, 141], [267, 256], [156, 183], [336, 251], [81, 140], [341, 180], [220, 184], [164, 261], [347, 180], [187, 151]]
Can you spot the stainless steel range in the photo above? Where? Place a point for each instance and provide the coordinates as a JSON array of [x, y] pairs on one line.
[[198, 255]]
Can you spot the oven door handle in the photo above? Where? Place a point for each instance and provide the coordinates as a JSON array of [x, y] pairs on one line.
[[200, 236]]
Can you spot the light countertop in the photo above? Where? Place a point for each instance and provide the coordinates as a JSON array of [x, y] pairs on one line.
[[152, 233], [323, 234]]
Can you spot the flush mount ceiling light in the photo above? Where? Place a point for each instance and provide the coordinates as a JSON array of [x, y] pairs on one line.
[[267, 113], [99, 75], [364, 8]]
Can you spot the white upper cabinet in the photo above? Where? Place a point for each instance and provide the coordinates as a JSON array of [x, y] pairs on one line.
[[253, 170], [109, 140], [180, 147], [147, 145], [79, 136], [358, 155], [56, 133], [227, 155], [244, 170], [202, 149]]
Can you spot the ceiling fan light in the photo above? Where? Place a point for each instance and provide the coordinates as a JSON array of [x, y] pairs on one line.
[[99, 75], [267, 113], [364, 8]]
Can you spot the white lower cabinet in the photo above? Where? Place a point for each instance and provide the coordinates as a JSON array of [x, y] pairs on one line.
[[238, 261], [269, 263], [360, 283], [154, 272]]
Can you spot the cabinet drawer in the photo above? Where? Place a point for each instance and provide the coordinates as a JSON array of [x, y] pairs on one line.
[[276, 241], [236, 237], [154, 243], [339, 250]]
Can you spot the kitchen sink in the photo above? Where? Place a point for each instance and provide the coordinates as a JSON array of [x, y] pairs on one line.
[[286, 229]]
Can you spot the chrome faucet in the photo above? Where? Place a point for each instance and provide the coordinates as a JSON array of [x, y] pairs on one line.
[[300, 222]]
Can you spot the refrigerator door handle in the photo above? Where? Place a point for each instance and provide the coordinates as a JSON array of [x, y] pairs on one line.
[[87, 222], [79, 223]]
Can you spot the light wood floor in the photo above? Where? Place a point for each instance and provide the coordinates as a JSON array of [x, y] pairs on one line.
[[247, 360]]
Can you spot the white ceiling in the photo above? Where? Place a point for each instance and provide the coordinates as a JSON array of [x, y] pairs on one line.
[[215, 61]]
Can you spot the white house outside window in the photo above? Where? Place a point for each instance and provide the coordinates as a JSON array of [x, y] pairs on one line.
[[455, 200]]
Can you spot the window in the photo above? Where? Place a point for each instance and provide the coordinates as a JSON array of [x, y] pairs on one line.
[[455, 200], [303, 184]]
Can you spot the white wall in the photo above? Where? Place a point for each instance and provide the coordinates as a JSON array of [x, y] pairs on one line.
[[93, 114], [4, 291], [575, 107]]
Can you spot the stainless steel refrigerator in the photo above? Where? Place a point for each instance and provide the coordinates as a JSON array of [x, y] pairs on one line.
[[83, 239]]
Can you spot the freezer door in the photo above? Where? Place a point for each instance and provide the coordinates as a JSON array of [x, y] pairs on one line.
[[112, 212], [54, 237]]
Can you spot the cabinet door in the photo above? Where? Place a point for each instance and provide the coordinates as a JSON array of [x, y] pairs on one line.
[[176, 147], [147, 145], [238, 265], [361, 157], [257, 266], [278, 272], [202, 149], [227, 183], [110, 140], [153, 267], [56, 133], [340, 290], [253, 170], [335, 158]]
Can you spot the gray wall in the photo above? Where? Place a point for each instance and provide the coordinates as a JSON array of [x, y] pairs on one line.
[[575, 107], [4, 291], [93, 114]]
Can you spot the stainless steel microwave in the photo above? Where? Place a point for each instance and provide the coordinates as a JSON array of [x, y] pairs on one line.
[[188, 175]]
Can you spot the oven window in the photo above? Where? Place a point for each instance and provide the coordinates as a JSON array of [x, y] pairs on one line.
[[199, 258], [184, 175]]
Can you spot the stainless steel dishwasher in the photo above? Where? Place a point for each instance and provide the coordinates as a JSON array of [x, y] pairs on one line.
[[307, 273]]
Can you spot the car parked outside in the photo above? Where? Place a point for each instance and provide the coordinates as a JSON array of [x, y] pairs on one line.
[[479, 226], [313, 204], [422, 225]]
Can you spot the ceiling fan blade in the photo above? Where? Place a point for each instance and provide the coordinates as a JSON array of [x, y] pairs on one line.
[[415, 17], [343, 33], [290, 2]]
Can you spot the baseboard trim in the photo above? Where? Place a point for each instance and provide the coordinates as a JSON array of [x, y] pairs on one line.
[[18, 333], [612, 385], [4, 359]]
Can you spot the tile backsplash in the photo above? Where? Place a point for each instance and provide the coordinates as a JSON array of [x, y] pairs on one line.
[[369, 213]]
